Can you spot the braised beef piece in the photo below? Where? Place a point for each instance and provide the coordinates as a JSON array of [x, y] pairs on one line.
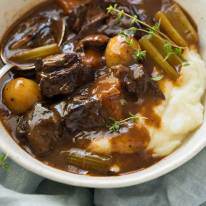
[[54, 62], [76, 12], [62, 76], [41, 127], [92, 106], [88, 109], [112, 27], [65, 81], [83, 113], [87, 17], [76, 19], [137, 81], [108, 90], [93, 23]]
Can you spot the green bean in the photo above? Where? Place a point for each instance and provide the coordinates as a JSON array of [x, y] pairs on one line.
[[89, 161], [35, 53], [177, 26], [183, 23], [173, 59], [170, 30], [152, 51]]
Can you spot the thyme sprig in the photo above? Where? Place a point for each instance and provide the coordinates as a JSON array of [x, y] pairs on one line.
[[127, 34], [113, 9], [157, 77], [155, 29], [115, 125], [139, 55], [171, 50], [185, 64], [169, 47], [3, 164], [152, 30]]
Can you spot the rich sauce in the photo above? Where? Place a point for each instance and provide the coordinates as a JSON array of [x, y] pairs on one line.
[[138, 136]]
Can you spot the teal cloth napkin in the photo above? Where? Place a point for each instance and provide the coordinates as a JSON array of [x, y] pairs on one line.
[[185, 186]]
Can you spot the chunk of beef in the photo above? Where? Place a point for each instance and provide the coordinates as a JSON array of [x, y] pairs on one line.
[[76, 19], [143, 11], [54, 62], [65, 81], [41, 127], [138, 8], [84, 114], [62, 76], [108, 90], [76, 11], [91, 107], [92, 23], [81, 112], [137, 81]]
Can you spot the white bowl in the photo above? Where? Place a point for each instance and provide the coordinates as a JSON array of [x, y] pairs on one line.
[[10, 10]]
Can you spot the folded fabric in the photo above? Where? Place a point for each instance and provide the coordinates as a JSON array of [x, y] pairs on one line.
[[185, 186]]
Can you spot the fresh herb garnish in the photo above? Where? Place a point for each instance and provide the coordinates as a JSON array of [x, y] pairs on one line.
[[153, 30], [3, 164], [139, 55], [115, 125], [121, 13], [111, 9], [185, 64], [170, 50], [157, 78], [127, 36]]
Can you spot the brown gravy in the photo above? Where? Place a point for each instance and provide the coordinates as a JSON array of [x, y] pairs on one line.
[[138, 136]]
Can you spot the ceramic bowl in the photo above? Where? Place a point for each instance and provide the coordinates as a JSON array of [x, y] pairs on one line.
[[10, 10]]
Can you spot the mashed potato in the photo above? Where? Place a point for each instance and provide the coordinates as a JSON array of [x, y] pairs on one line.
[[181, 113]]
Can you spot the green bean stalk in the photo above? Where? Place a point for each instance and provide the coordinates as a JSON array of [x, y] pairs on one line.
[[88, 161]]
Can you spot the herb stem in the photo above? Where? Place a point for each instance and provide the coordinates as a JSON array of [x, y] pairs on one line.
[[115, 125], [152, 29], [157, 36]]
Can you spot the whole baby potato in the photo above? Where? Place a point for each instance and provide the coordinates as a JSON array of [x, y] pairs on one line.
[[120, 51], [20, 94]]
